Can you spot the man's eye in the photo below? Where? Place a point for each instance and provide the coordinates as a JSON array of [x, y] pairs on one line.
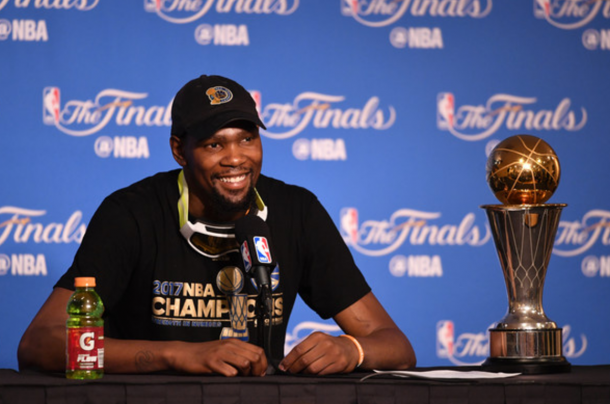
[[212, 145]]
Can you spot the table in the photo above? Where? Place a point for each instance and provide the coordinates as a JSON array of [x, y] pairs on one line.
[[585, 384]]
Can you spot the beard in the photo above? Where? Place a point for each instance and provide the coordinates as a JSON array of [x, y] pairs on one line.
[[222, 204]]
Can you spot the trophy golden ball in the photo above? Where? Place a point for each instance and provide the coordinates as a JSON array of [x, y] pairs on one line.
[[523, 170], [230, 280]]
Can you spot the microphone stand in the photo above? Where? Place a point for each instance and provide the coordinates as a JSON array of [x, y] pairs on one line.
[[264, 317]]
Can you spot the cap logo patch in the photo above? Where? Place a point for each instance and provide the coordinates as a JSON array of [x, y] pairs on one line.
[[219, 95]]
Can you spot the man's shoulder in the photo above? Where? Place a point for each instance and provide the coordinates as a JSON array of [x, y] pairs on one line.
[[272, 189], [159, 185]]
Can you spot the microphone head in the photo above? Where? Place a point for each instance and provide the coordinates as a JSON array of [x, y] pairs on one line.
[[253, 235]]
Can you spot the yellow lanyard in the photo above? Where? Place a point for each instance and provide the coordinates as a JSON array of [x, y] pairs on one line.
[[183, 201]]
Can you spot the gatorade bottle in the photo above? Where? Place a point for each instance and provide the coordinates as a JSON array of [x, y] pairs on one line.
[[85, 332]]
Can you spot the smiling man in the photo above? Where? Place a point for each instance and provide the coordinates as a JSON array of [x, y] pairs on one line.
[[159, 247]]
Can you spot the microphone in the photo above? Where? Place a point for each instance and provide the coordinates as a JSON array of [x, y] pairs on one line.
[[253, 236]]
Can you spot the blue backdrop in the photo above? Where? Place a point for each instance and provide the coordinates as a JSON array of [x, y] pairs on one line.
[[386, 109]]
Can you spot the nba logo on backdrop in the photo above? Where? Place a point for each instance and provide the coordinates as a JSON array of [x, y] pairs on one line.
[[381, 13], [462, 350], [50, 105], [542, 8], [349, 225], [445, 338], [569, 14], [258, 100], [445, 111], [349, 7]]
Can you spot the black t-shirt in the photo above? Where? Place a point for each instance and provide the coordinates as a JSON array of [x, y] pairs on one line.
[[156, 287]]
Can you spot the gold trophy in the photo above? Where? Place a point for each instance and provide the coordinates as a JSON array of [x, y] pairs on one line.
[[230, 281], [523, 172]]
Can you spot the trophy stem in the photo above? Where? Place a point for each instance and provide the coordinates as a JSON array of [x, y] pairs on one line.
[[525, 340]]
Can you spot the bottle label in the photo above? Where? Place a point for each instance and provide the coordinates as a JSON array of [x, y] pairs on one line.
[[85, 348]]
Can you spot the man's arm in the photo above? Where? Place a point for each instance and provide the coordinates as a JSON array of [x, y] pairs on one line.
[[385, 346], [43, 347]]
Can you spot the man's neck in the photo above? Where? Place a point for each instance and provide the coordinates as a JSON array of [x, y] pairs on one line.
[[207, 213]]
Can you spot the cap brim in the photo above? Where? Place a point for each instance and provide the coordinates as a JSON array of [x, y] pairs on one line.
[[205, 129]]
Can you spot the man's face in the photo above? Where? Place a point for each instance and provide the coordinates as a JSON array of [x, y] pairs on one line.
[[221, 171]]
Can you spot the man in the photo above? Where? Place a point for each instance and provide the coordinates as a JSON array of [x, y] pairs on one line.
[[156, 249]]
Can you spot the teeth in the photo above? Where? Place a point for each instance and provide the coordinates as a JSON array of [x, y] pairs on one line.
[[233, 179]]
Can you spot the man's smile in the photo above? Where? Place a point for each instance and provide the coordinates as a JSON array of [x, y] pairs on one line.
[[234, 182], [233, 179]]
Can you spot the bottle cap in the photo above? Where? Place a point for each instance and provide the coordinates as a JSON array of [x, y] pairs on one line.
[[84, 282]]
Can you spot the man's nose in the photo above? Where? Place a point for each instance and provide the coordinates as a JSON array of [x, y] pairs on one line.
[[233, 155]]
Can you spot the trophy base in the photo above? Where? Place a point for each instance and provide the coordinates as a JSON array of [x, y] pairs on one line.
[[526, 351], [231, 333], [527, 366], [505, 343]]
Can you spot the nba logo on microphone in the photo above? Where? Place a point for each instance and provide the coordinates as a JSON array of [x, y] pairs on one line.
[[262, 250], [445, 338], [50, 105]]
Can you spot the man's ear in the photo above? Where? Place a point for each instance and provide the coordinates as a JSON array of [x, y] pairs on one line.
[[177, 146]]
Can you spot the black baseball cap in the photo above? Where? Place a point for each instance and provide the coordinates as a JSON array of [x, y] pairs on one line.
[[208, 103]]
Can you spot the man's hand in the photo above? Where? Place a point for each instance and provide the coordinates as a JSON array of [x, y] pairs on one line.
[[230, 357], [43, 347], [321, 354], [384, 345]]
